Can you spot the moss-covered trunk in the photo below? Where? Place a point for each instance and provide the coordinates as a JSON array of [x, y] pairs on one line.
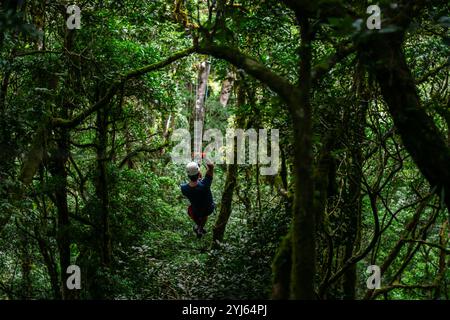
[[58, 170], [281, 270], [230, 185], [225, 205], [303, 270], [101, 189]]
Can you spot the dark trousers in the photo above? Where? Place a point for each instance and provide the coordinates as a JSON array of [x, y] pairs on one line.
[[200, 220]]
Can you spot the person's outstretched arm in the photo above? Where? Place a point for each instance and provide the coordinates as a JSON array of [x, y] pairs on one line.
[[210, 170]]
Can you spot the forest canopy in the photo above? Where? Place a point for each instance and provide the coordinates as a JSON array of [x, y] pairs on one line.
[[328, 123]]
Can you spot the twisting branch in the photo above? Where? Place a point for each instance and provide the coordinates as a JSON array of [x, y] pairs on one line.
[[409, 255], [364, 253], [434, 245], [139, 150]]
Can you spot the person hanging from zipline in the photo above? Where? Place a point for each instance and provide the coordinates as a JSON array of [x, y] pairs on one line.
[[198, 192]]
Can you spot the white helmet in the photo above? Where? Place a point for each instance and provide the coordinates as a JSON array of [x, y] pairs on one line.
[[192, 168]]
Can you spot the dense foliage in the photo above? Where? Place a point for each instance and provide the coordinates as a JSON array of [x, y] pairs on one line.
[[86, 176]]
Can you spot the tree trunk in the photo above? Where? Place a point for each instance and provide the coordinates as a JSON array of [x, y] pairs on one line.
[[230, 184], [50, 263], [281, 270], [225, 205], [101, 188], [353, 198], [58, 169], [59, 172], [26, 262], [199, 107], [303, 270], [227, 86]]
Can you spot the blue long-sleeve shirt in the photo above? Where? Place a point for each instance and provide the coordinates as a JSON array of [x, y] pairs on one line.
[[200, 196]]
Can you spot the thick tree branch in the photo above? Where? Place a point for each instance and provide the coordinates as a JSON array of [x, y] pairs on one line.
[[254, 68], [159, 65], [139, 150]]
